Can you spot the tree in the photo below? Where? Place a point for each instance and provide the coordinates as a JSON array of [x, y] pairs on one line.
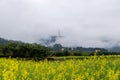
[[57, 47]]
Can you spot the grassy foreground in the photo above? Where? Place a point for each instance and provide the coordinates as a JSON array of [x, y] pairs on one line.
[[87, 69]]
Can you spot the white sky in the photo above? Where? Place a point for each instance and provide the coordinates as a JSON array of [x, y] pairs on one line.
[[88, 23]]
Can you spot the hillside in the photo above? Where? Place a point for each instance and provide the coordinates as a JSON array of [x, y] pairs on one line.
[[5, 41], [115, 49]]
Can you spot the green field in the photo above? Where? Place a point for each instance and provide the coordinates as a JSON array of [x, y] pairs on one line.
[[92, 68]]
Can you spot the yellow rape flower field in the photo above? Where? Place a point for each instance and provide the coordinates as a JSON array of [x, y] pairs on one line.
[[86, 69]]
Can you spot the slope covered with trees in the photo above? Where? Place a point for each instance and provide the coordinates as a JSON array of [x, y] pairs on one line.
[[38, 52], [24, 50], [3, 41]]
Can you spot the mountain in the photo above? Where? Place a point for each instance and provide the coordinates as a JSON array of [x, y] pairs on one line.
[[114, 49], [60, 47], [5, 41]]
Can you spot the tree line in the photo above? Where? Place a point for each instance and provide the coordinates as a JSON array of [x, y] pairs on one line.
[[40, 52], [24, 50]]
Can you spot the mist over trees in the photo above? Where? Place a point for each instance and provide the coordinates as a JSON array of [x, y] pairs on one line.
[[39, 52]]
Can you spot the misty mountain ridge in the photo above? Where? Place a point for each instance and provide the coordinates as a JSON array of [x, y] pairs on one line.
[[6, 41], [115, 48]]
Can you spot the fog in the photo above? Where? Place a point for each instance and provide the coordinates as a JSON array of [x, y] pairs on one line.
[[87, 23]]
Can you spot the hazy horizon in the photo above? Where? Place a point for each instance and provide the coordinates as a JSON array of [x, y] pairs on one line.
[[93, 23]]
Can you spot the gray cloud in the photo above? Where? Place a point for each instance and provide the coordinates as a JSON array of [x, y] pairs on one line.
[[82, 22]]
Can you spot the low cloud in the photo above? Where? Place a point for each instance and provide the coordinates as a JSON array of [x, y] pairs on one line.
[[81, 22]]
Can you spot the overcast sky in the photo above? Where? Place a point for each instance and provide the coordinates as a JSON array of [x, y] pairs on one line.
[[88, 23]]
